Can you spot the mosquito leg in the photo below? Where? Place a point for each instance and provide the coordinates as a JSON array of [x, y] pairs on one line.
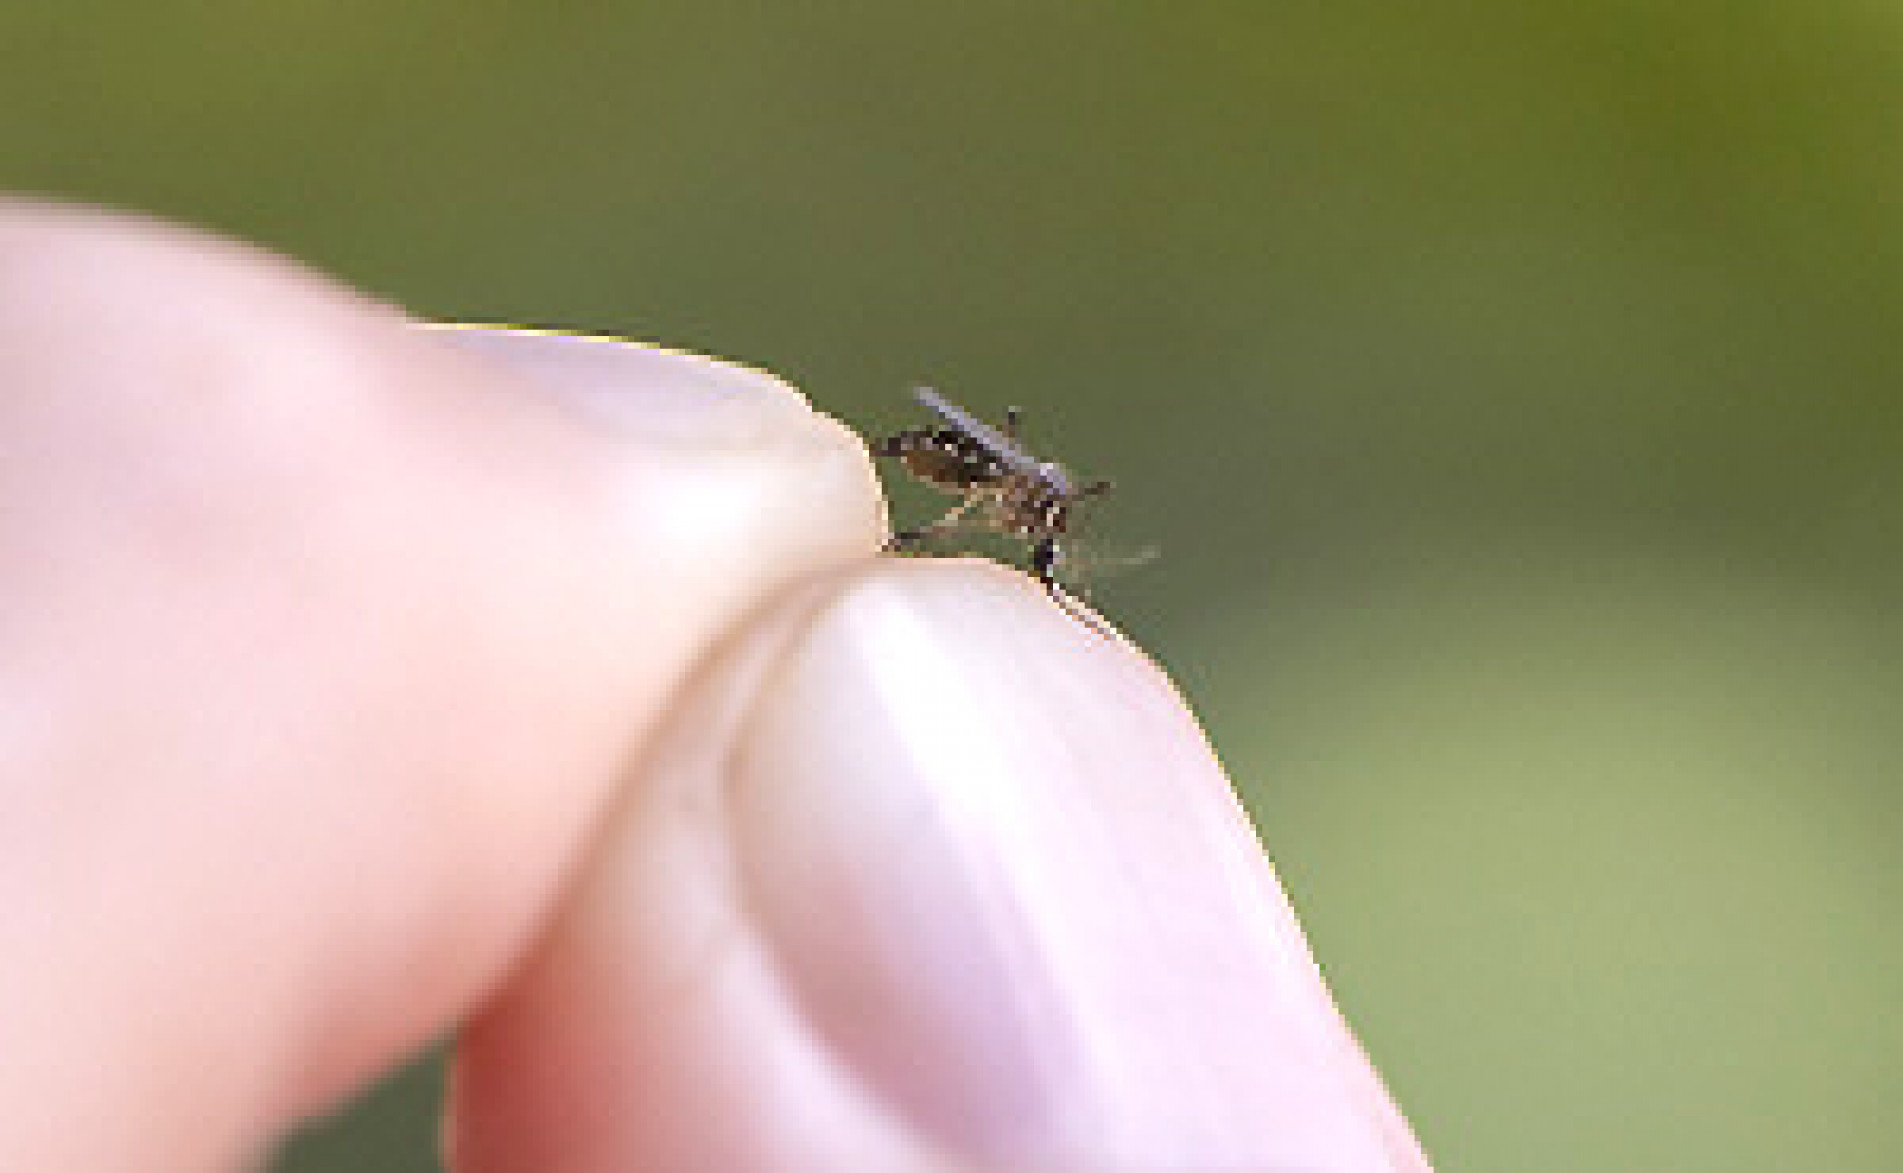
[[911, 539], [1044, 558]]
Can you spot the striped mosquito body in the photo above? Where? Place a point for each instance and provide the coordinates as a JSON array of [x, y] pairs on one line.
[[1001, 486]]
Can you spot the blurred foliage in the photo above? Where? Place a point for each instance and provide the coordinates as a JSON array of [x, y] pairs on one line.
[[1513, 388]]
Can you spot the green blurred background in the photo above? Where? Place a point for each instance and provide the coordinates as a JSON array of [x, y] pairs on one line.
[[1513, 389]]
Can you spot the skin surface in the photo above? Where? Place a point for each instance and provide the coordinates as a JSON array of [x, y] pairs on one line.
[[359, 680]]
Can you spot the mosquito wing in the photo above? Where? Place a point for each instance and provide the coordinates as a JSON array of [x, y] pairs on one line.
[[1094, 560], [996, 442], [1088, 557]]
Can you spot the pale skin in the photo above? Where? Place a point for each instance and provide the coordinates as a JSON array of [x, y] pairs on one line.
[[361, 682]]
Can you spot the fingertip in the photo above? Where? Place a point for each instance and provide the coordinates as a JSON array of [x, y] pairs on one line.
[[933, 862]]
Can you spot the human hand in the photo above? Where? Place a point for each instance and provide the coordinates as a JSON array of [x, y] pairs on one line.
[[358, 680]]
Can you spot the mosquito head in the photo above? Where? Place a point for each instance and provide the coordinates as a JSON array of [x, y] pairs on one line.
[[1059, 499]]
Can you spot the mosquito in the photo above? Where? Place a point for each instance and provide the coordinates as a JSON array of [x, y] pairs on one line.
[[1001, 486]]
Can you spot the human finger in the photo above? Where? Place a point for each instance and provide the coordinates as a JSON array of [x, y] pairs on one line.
[[323, 642], [924, 874]]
